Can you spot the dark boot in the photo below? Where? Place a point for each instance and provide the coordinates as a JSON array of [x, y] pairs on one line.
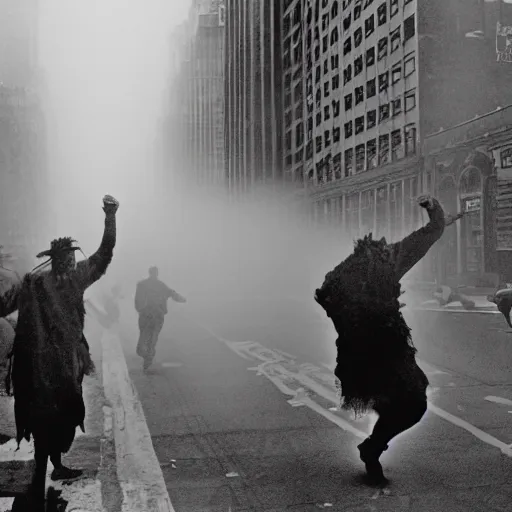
[[64, 473], [370, 454]]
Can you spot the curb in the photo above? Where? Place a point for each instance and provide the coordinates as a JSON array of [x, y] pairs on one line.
[[138, 469]]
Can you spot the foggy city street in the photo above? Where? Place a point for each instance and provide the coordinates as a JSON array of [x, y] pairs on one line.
[[255, 255]]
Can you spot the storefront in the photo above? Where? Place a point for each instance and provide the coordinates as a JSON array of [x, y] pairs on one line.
[[471, 168]]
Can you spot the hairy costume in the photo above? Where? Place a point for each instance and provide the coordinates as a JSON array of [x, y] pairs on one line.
[[376, 365], [151, 303], [50, 354]]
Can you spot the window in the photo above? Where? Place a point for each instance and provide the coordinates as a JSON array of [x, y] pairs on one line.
[[325, 44], [318, 74], [359, 92], [409, 28], [309, 39], [326, 66], [409, 65], [393, 8], [318, 141], [335, 61], [360, 158], [288, 161], [317, 52], [358, 65], [371, 154], [327, 114], [336, 107], [325, 21], [347, 46], [407, 2], [310, 124], [348, 102], [384, 149], [383, 112], [346, 22], [370, 56], [367, 3], [299, 135], [326, 89], [396, 73], [348, 130], [358, 37], [410, 140], [397, 150], [349, 162], [309, 151], [397, 106], [334, 36], [336, 163], [327, 138], [357, 10], [395, 40], [334, 9], [318, 121], [336, 134], [382, 48], [382, 14], [288, 140], [410, 100], [347, 74], [370, 88], [359, 125], [371, 119], [318, 97], [336, 82], [369, 26], [384, 81]]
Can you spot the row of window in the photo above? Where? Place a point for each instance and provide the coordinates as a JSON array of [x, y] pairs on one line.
[[389, 147]]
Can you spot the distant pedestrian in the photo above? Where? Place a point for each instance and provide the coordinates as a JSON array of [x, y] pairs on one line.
[[151, 303], [376, 365], [50, 354]]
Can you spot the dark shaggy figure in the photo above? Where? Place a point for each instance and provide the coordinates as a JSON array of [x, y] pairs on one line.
[[376, 365], [50, 353]]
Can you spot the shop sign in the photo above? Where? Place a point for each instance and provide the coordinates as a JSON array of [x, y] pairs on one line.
[[472, 205]]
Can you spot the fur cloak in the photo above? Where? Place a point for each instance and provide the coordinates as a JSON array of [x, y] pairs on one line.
[[375, 354], [50, 355]]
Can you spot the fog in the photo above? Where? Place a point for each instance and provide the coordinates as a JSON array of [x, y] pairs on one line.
[[106, 69]]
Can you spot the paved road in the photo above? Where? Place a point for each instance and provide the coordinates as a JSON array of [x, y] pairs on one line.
[[244, 426]]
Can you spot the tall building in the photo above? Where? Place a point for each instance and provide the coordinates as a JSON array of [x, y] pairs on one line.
[[253, 109], [382, 77], [195, 120], [22, 129]]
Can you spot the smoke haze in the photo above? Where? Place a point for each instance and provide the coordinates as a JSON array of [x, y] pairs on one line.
[[106, 69]]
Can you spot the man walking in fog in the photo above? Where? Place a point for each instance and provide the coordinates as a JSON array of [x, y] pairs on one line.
[[151, 303]]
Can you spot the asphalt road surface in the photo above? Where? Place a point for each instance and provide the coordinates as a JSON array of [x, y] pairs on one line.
[[241, 426]]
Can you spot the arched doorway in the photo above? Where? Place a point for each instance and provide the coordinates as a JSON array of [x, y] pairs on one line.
[[447, 255], [472, 233]]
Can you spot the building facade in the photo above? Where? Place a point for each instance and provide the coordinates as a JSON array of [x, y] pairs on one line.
[[194, 125], [252, 100], [22, 130], [382, 78]]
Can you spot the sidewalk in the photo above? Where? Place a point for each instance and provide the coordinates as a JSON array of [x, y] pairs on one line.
[[85, 453]]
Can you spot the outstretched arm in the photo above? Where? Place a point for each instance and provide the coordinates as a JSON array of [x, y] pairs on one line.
[[9, 300], [413, 248], [96, 265], [175, 296]]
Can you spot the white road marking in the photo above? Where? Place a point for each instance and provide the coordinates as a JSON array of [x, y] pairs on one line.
[[138, 470], [498, 400], [243, 350]]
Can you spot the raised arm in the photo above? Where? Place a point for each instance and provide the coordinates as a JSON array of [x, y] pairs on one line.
[[175, 296], [413, 248], [96, 265]]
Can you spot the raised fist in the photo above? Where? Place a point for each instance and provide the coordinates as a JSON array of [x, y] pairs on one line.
[[426, 201], [110, 204]]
